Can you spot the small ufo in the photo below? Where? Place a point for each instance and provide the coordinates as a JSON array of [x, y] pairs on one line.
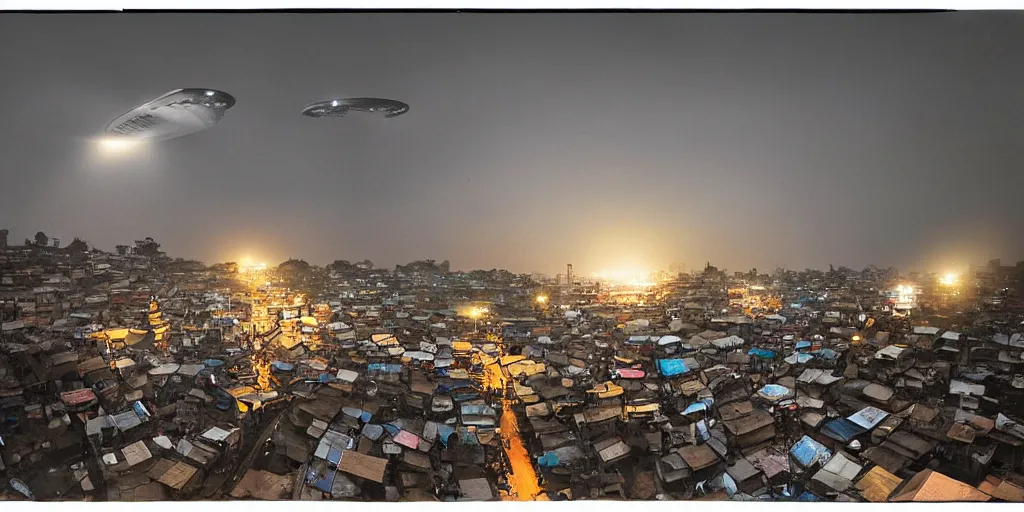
[[341, 106], [175, 114]]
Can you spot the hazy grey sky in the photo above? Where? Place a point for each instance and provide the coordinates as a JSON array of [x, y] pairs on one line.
[[533, 140]]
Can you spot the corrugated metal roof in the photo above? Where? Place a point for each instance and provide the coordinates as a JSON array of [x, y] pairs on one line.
[[842, 430], [878, 484]]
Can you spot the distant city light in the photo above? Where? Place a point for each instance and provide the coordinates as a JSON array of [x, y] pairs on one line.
[[542, 299], [113, 145], [632, 277], [950, 279], [906, 294], [246, 264]]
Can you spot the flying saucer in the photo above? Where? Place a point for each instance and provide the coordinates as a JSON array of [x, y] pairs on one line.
[[340, 107], [175, 114]]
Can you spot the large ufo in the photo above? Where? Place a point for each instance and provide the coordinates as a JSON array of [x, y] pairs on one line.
[[340, 107], [175, 114]]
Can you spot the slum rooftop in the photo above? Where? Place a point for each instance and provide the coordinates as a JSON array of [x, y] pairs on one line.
[[133, 376]]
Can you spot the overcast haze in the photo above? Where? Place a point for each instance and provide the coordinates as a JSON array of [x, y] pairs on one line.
[[533, 140]]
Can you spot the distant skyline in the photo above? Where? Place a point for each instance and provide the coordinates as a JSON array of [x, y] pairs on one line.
[[605, 272], [605, 140]]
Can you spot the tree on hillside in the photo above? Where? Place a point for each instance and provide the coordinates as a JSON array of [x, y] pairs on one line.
[[41, 239], [341, 266], [293, 265], [147, 247]]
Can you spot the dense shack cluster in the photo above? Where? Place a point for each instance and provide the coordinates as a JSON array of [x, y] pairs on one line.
[[134, 376]]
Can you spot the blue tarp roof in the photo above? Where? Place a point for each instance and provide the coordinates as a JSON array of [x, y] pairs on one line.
[[695, 407], [672, 367], [774, 390], [373, 432], [826, 353], [808, 496], [334, 455], [800, 358], [842, 430], [444, 432], [324, 484], [762, 353], [703, 433], [384, 367], [353, 412], [868, 417], [548, 460], [282, 366], [802, 344], [807, 451]]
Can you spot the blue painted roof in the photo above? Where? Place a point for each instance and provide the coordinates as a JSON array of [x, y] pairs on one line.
[[672, 367], [842, 429], [868, 417], [384, 367], [808, 496]]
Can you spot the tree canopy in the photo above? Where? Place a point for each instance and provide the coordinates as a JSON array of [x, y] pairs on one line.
[[147, 247]]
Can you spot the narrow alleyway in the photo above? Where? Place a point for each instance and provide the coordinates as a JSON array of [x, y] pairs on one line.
[[521, 477]]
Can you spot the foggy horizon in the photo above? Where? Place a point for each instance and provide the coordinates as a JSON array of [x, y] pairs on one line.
[[533, 140]]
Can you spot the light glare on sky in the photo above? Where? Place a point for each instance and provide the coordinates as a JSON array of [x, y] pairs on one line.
[[533, 140]]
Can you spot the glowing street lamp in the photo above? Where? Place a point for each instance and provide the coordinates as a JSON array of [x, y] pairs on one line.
[[475, 315], [542, 299], [950, 279]]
